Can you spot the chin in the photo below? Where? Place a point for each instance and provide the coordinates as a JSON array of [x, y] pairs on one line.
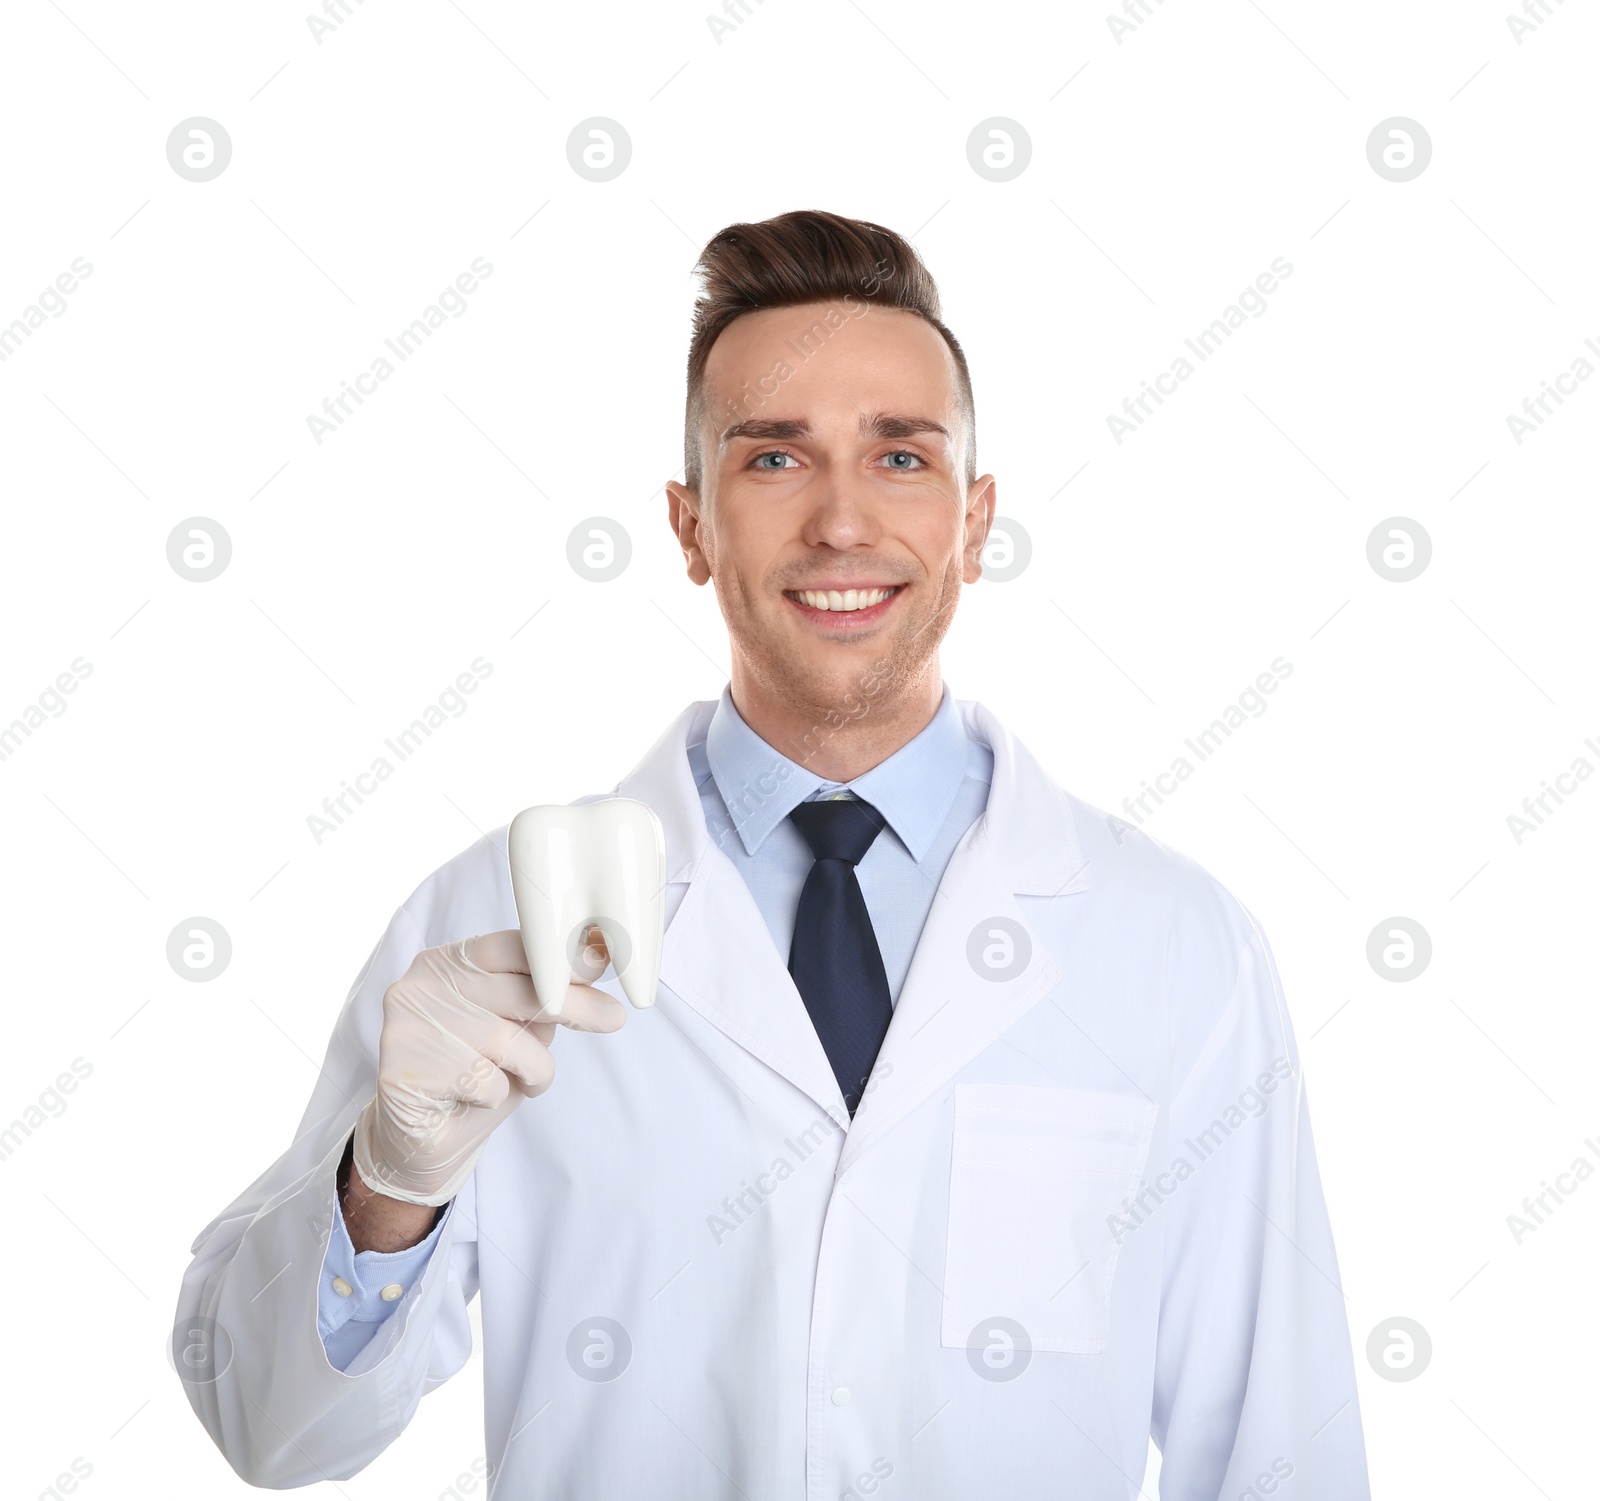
[[843, 682]]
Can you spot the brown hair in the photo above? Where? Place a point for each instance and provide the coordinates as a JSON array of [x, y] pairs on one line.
[[800, 257]]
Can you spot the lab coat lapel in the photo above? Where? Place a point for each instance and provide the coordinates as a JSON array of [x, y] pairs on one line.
[[718, 957], [953, 1004]]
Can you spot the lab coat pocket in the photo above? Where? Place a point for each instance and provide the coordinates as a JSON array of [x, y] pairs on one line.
[[1036, 1175]]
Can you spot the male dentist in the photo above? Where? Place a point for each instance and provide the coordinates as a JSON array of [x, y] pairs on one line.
[[965, 1147]]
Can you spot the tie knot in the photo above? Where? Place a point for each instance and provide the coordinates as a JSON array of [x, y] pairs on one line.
[[840, 828]]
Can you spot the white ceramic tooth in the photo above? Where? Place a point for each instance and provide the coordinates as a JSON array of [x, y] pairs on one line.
[[851, 599], [604, 862], [835, 600]]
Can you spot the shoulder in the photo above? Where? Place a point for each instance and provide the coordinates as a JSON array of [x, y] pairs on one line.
[[1220, 978], [1062, 843], [469, 894], [1133, 867], [1121, 888]]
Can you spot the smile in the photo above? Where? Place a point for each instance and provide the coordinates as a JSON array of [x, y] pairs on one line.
[[837, 612], [843, 601]]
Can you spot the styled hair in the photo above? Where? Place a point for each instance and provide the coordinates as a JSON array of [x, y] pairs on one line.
[[802, 257]]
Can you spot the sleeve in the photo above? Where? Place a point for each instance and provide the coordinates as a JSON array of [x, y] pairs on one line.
[[1254, 1385], [358, 1290], [248, 1344]]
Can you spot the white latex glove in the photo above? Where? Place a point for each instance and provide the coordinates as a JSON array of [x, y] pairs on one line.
[[461, 1047]]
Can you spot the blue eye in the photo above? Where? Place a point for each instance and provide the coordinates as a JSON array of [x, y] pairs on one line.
[[760, 460], [901, 453]]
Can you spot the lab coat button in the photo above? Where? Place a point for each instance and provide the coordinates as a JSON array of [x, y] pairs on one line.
[[341, 1287], [391, 1292], [841, 1395]]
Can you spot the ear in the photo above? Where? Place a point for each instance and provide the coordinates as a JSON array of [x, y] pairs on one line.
[[683, 514], [979, 518]]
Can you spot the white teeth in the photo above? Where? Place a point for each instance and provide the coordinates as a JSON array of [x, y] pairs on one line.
[[850, 599]]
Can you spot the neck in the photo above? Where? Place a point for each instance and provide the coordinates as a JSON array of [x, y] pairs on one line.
[[845, 738]]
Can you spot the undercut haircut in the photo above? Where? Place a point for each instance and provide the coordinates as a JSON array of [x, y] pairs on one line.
[[803, 257]]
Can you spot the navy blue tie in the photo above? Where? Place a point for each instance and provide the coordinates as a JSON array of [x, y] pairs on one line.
[[834, 956]]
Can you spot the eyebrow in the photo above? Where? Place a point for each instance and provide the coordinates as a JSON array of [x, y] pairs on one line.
[[872, 425], [767, 427]]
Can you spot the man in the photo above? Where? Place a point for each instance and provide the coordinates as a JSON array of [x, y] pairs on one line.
[[966, 1146]]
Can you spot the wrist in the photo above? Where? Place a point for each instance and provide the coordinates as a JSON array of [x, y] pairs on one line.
[[373, 1220]]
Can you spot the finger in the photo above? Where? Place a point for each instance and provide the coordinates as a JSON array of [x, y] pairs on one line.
[[503, 953], [504, 994], [593, 957], [513, 997], [479, 1081], [512, 1050], [497, 952], [591, 1010]]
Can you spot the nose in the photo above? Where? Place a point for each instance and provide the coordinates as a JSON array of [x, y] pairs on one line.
[[844, 511]]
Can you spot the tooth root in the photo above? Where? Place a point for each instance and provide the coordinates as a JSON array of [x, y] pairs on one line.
[[605, 861]]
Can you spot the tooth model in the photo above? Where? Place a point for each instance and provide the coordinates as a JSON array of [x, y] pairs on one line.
[[595, 865]]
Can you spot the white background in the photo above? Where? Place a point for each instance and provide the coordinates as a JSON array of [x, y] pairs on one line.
[[1167, 171]]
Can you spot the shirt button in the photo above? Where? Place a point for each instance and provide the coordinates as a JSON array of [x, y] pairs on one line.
[[341, 1287], [391, 1292], [841, 1395]]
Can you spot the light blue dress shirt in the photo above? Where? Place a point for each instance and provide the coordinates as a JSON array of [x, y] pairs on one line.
[[929, 791]]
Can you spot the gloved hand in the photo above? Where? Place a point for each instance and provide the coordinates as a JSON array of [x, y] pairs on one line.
[[461, 1048]]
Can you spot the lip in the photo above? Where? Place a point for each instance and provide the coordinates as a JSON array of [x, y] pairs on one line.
[[847, 620]]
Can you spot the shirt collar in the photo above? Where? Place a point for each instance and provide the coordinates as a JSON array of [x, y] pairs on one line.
[[914, 788]]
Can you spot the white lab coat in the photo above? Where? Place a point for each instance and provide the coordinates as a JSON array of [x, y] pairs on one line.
[[1105, 1147]]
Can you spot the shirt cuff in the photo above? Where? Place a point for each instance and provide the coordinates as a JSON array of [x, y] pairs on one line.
[[358, 1290]]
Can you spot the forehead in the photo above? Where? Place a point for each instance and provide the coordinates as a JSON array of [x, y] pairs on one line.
[[830, 354]]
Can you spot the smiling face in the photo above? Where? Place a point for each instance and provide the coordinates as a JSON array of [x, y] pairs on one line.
[[834, 518]]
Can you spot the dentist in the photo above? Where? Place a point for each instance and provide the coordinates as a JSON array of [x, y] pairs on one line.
[[965, 1148]]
